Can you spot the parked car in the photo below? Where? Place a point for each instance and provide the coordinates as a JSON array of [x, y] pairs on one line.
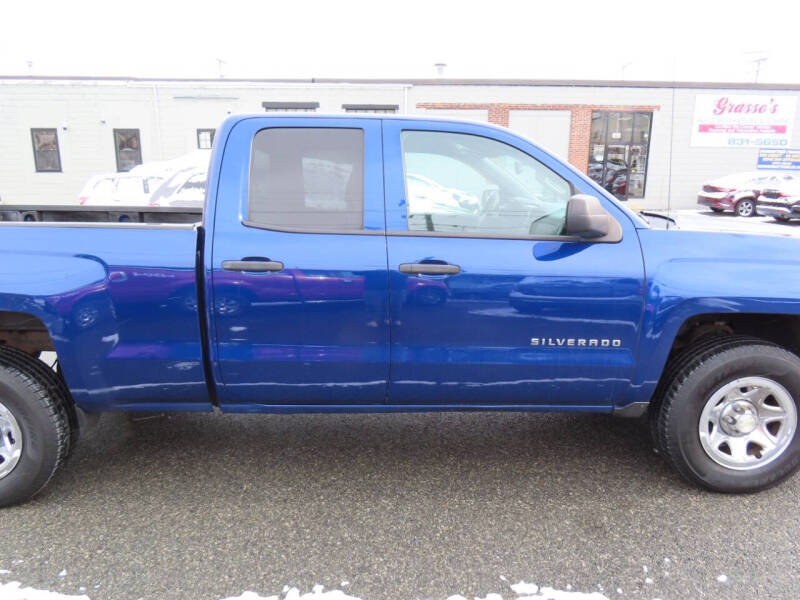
[[782, 204], [137, 186], [128, 189], [307, 288], [185, 188], [740, 192]]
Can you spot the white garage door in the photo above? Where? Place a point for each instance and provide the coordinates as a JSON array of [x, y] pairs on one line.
[[548, 128]]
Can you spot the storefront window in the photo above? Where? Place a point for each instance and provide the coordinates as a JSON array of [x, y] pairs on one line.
[[618, 151]]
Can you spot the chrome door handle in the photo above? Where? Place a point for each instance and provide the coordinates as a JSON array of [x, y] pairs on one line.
[[429, 269], [259, 266]]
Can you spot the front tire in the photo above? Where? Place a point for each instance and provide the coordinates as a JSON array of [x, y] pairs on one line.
[[728, 420], [714, 209], [35, 424]]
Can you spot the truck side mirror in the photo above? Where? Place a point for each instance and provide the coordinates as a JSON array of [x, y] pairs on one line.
[[586, 218]]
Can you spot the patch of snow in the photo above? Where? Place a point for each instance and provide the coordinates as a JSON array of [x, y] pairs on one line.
[[648, 580], [345, 583], [14, 591], [316, 593], [666, 559], [4, 572], [619, 591], [491, 597], [723, 578], [503, 578], [531, 591], [456, 597], [644, 568], [62, 574], [252, 596], [525, 588], [548, 593]]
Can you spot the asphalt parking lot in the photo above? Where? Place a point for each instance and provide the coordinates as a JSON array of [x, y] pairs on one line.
[[399, 506]]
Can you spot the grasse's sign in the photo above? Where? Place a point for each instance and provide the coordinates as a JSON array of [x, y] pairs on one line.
[[741, 121]]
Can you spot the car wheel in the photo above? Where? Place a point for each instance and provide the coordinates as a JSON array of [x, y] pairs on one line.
[[781, 218], [34, 425], [717, 210], [728, 420], [746, 207]]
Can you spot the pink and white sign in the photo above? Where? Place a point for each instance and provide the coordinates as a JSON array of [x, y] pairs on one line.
[[738, 121]]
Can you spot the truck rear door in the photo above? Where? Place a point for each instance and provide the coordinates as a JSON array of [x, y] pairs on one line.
[[491, 305], [299, 300]]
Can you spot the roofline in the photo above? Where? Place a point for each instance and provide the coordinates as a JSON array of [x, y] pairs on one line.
[[427, 82]]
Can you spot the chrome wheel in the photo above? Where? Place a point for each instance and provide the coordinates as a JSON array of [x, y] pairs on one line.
[[748, 423], [11, 442], [745, 208]]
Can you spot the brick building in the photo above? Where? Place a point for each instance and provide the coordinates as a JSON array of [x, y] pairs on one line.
[[652, 144]]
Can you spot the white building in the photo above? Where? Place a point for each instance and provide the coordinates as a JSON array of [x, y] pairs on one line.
[[651, 143]]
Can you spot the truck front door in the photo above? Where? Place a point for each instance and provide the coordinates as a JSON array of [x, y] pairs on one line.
[[491, 304], [299, 281]]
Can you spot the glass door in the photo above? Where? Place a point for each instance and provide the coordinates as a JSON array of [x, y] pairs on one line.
[[618, 150]]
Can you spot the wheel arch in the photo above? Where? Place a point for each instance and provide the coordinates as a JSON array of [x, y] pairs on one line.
[[658, 348]]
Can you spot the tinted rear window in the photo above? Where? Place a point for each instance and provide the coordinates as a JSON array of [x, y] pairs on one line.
[[307, 179]]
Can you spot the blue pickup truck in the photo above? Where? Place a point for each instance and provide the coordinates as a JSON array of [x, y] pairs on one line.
[[402, 264]]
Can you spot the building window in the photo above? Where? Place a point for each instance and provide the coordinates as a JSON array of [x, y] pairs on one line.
[[619, 146], [307, 178], [205, 138], [290, 106], [370, 108], [45, 150], [128, 148]]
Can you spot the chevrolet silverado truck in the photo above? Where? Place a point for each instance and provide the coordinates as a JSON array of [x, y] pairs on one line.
[[378, 264]]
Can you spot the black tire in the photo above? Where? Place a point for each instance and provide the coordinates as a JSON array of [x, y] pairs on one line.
[[693, 384], [746, 207], [37, 399], [781, 219], [717, 210], [676, 365]]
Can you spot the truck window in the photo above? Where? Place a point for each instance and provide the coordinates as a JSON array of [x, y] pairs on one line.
[[468, 184], [308, 179]]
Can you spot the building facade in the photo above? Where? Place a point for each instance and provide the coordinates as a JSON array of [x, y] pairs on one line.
[[651, 144]]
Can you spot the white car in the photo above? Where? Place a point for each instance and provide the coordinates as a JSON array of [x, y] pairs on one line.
[[125, 189], [136, 187], [185, 188], [782, 204]]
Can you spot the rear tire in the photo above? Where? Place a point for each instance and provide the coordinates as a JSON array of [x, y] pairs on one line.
[[35, 416], [728, 418], [746, 207]]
